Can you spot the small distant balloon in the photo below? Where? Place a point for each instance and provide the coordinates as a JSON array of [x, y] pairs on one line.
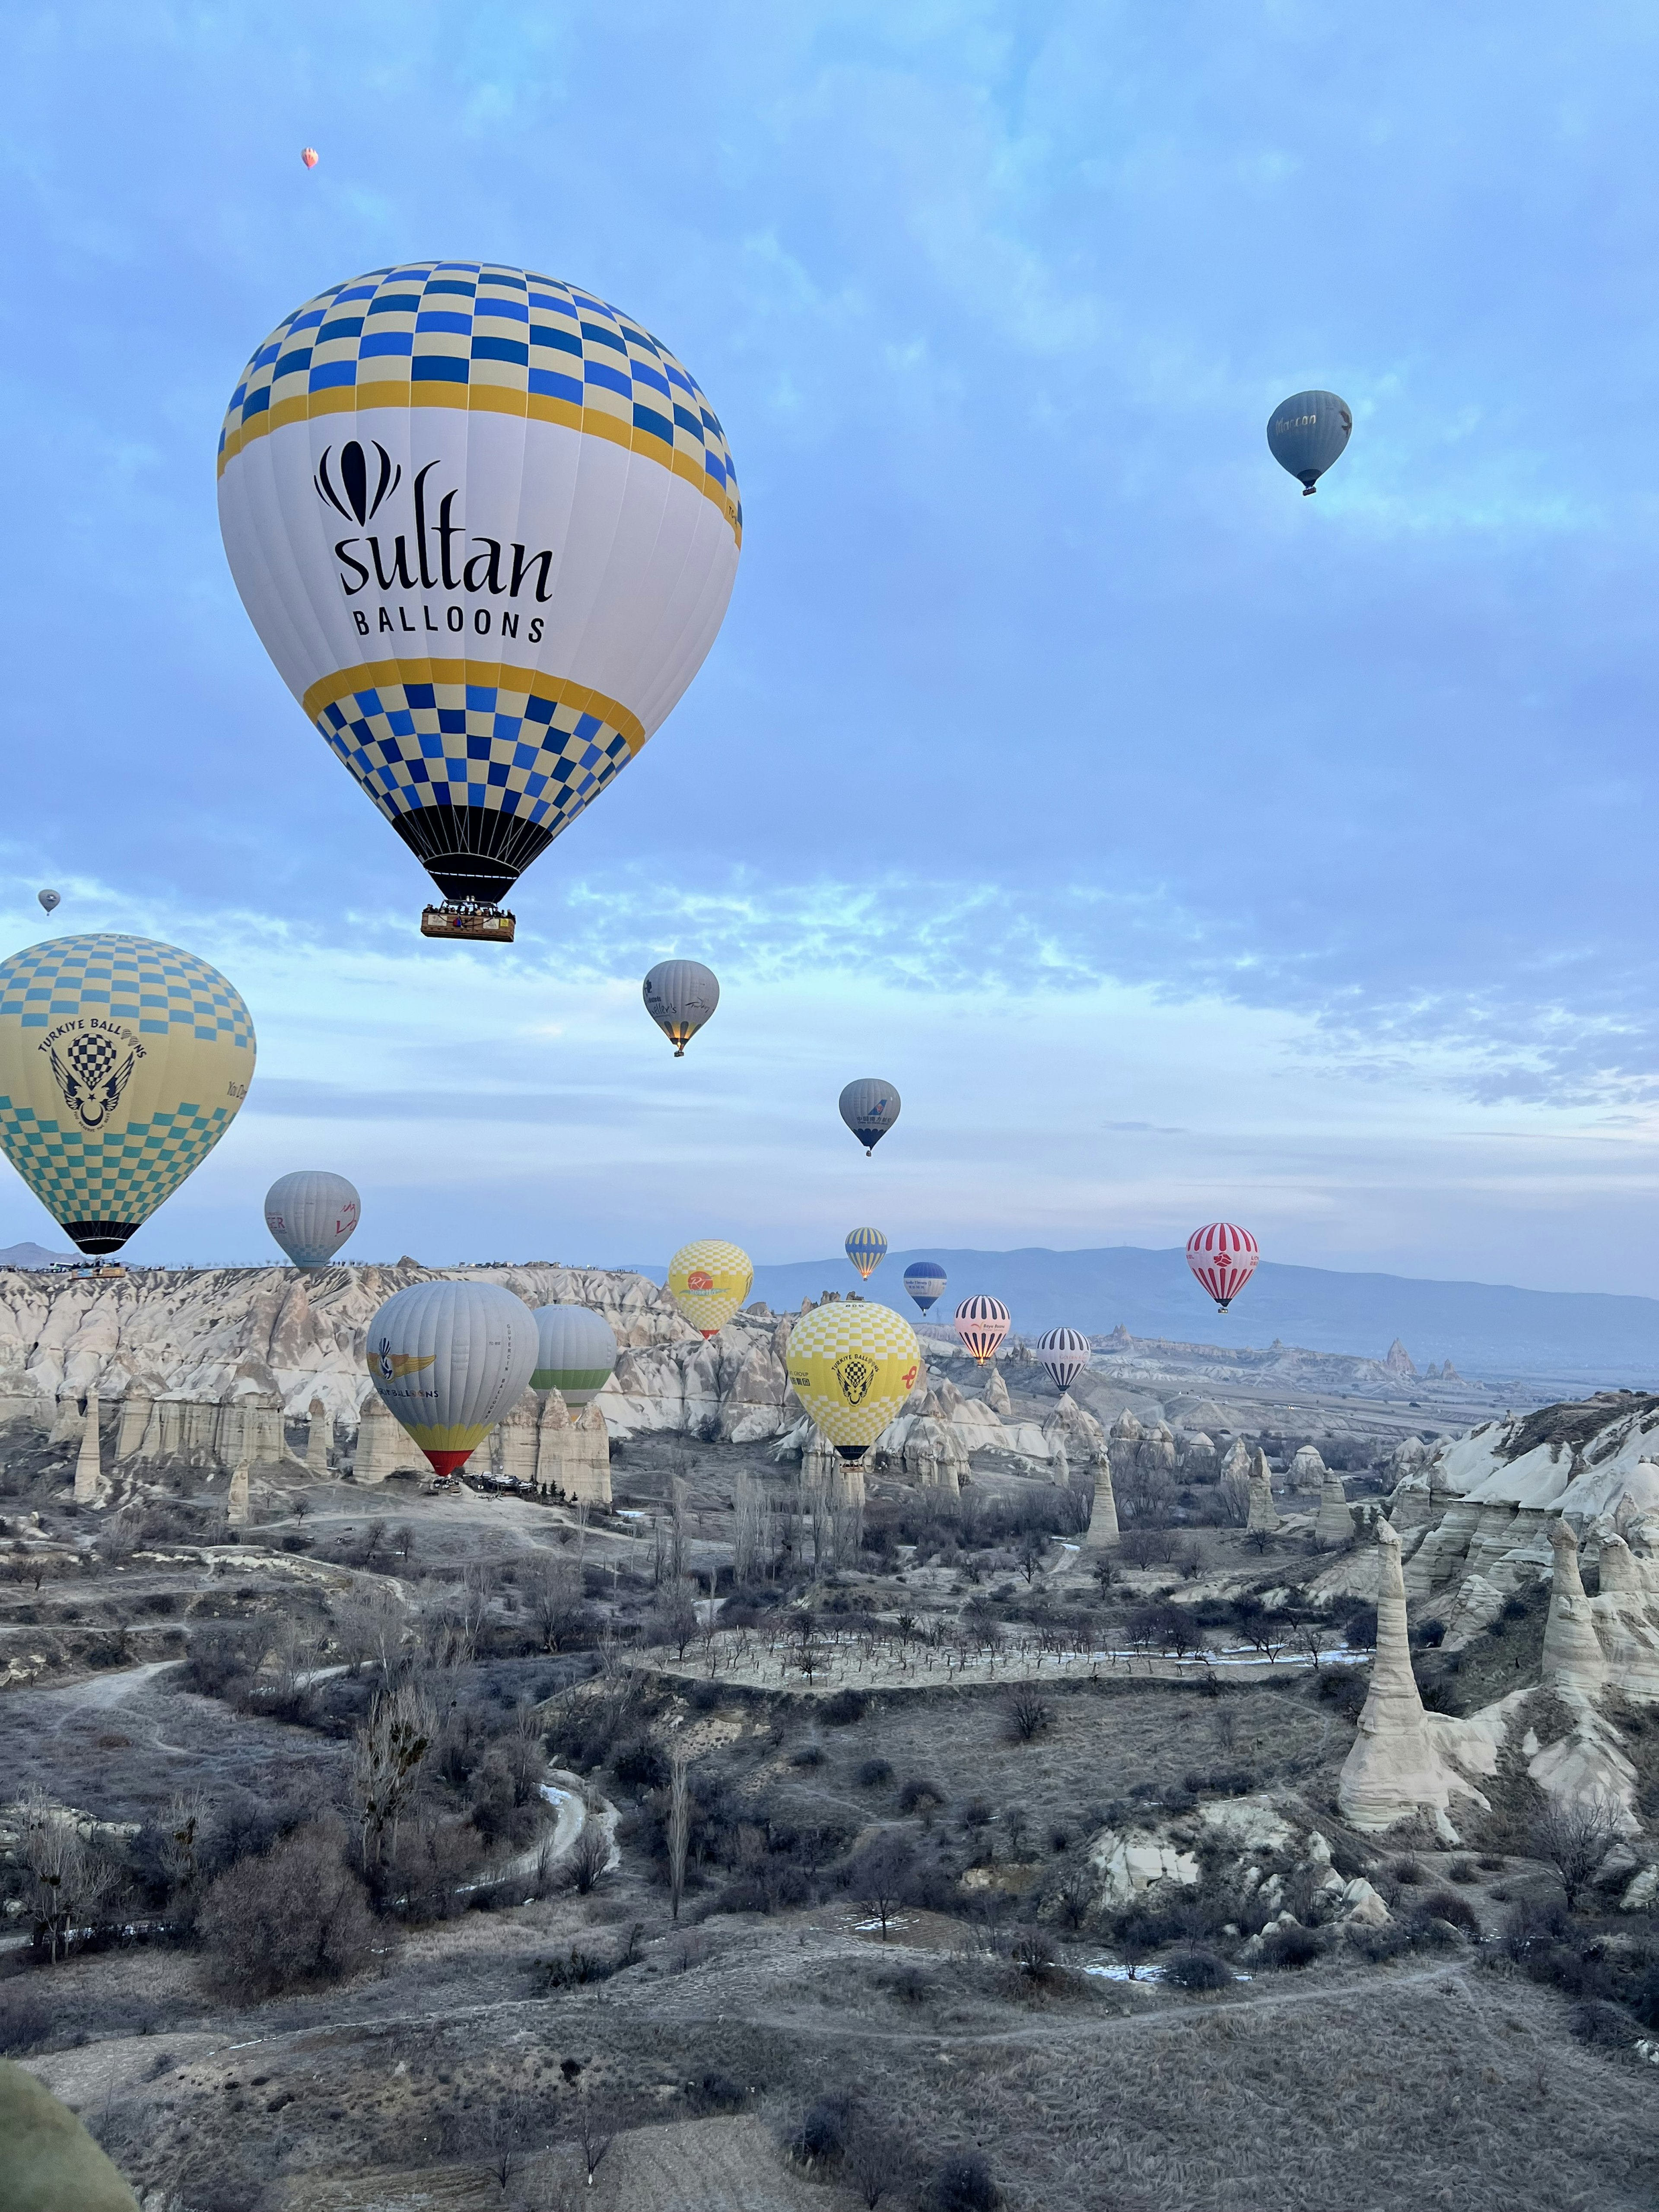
[[981, 1324], [1306, 433], [866, 1248], [679, 996], [308, 155], [925, 1281], [1223, 1257], [869, 1107], [1065, 1354], [50, 900]]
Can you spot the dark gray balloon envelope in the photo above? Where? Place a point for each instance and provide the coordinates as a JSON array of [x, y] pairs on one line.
[[1307, 432]]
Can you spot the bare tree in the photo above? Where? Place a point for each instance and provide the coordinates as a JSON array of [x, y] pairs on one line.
[[679, 1516], [506, 2128], [389, 1748], [1574, 1839], [591, 1856], [675, 1618], [1028, 1716], [594, 2132], [553, 1596], [1032, 1551], [880, 1877], [477, 1589], [1314, 1638], [67, 1882], [680, 1825], [873, 2162]]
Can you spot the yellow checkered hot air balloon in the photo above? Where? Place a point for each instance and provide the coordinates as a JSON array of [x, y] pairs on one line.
[[852, 1367], [122, 1064], [708, 1281]]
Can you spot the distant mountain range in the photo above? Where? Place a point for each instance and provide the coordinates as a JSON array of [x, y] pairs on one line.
[[32, 1255], [1487, 1329]]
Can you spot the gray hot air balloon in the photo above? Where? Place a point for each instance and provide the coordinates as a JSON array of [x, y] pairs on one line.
[[311, 1213], [576, 1353], [869, 1107], [1307, 432], [50, 900], [679, 996]]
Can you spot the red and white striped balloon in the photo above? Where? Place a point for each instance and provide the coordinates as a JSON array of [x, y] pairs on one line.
[[1223, 1257], [982, 1323]]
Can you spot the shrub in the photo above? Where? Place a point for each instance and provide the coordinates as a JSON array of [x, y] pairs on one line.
[[844, 1707], [1379, 1944], [1574, 1840], [25, 2022], [640, 1763], [1028, 1716], [716, 2093], [1447, 1905], [807, 1754], [298, 1916], [1430, 1634], [1644, 1999], [1602, 2023], [1359, 1628], [963, 2184], [1408, 1873], [919, 1795], [822, 2136], [1197, 1969], [1034, 1954], [1291, 1949], [1463, 1871], [874, 1773]]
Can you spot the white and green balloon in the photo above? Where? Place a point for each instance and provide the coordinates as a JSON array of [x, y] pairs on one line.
[[576, 1354]]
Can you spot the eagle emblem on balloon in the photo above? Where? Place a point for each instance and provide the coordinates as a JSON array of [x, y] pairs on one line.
[[92, 1074]]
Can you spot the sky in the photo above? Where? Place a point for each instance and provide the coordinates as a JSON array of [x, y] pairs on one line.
[[1178, 846]]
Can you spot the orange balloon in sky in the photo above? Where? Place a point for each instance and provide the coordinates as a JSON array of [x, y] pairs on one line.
[[308, 155]]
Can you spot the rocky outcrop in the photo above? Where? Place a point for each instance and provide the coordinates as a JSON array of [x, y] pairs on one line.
[[1399, 1361], [573, 1455], [1395, 1768], [1307, 1470], [1333, 1523], [1103, 1534], [89, 1465], [384, 1446], [1263, 1514], [320, 1439], [1572, 1655]]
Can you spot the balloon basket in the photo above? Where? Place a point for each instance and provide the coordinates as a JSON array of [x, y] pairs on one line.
[[488, 925]]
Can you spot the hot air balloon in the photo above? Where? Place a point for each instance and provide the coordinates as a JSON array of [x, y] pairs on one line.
[[486, 526], [679, 996], [982, 1323], [1223, 1257], [50, 900], [576, 1353], [1306, 433], [852, 1367], [311, 1213], [925, 1281], [869, 1107], [708, 1281], [866, 1248], [122, 1064], [308, 155], [1065, 1354], [450, 1359]]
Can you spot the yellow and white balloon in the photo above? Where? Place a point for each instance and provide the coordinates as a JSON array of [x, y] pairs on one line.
[[852, 1366], [709, 1280]]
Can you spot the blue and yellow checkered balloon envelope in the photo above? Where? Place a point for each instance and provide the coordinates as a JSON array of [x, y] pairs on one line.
[[122, 1064], [487, 527]]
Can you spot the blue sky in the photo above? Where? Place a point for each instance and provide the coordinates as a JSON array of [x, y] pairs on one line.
[[1178, 846]]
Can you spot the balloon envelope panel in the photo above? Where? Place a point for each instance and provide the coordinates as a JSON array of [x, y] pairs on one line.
[[866, 1248], [925, 1281], [487, 528], [680, 995], [869, 1107], [122, 1064], [852, 1367], [1223, 1257], [450, 1359], [576, 1353], [1307, 432], [709, 1280], [311, 1213], [1065, 1354]]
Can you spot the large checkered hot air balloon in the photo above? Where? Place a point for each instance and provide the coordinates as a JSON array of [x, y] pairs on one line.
[[122, 1064], [487, 527], [1223, 1257], [852, 1367]]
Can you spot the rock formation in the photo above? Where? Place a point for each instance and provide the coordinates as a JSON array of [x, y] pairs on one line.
[[1264, 1514], [573, 1457], [383, 1445], [1572, 1655], [1395, 1768], [995, 1393], [1307, 1470], [1333, 1524], [1399, 1361], [319, 1439], [514, 1443], [1101, 1533], [238, 1509], [88, 1466]]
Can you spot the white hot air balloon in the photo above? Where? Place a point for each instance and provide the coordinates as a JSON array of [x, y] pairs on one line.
[[576, 1353], [679, 996], [1065, 1354], [486, 526], [311, 1213], [450, 1359]]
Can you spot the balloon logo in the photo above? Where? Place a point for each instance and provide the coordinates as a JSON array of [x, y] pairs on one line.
[[699, 1281], [360, 506]]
